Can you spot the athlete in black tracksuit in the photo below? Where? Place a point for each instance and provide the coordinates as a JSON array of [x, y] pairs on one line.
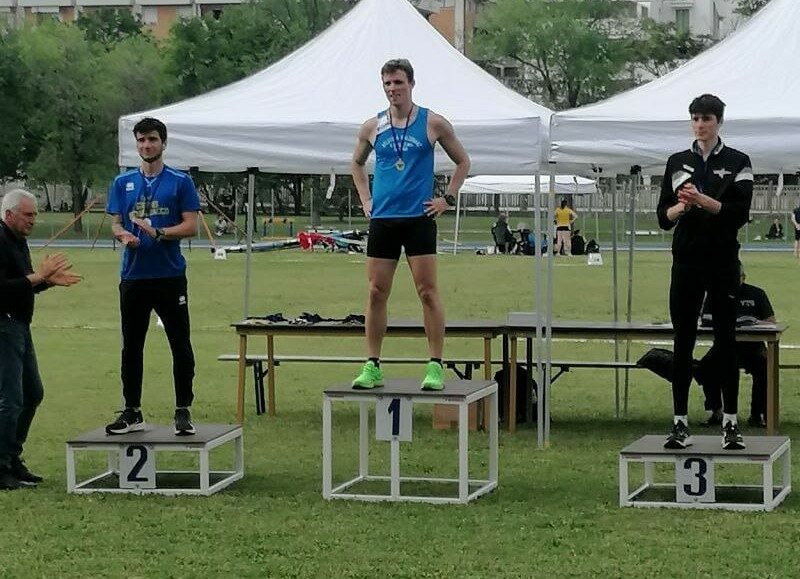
[[706, 200]]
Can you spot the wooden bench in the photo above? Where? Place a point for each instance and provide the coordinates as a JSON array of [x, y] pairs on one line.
[[462, 367]]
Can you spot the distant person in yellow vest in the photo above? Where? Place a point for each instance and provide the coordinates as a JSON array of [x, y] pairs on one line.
[[564, 218]]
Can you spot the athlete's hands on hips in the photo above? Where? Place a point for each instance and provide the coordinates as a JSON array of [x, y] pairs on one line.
[[436, 206]]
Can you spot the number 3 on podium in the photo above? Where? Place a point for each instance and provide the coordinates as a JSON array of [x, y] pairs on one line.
[[694, 479]]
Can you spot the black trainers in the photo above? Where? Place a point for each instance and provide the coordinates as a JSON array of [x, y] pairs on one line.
[[731, 437], [129, 420], [715, 419], [183, 422], [757, 420], [8, 482], [23, 475], [679, 438]]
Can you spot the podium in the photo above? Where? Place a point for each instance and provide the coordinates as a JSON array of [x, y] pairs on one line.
[[694, 484], [131, 461], [393, 405]]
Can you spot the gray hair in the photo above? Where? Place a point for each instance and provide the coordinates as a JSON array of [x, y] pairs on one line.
[[12, 199]]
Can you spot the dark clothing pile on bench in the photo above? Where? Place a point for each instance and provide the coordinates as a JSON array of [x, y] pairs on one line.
[[310, 318]]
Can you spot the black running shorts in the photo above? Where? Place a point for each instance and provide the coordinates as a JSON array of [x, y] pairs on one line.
[[417, 235]]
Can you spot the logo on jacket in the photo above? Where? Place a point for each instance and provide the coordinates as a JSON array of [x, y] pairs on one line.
[[721, 173], [129, 186]]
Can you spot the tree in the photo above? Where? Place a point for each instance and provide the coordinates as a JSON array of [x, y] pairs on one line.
[[206, 53], [77, 92], [14, 104], [572, 46], [660, 47], [579, 51], [109, 25], [750, 7]]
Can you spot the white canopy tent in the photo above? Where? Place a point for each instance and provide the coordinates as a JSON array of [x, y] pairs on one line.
[[301, 114], [755, 71], [525, 184]]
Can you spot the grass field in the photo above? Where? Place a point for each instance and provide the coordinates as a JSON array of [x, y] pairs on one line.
[[555, 513]]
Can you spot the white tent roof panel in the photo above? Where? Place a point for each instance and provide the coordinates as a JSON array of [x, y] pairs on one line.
[[755, 71], [301, 114]]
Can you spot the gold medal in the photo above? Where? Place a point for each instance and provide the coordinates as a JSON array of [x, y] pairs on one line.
[[400, 165]]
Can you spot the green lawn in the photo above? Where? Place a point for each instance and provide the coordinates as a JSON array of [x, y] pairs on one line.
[[554, 514]]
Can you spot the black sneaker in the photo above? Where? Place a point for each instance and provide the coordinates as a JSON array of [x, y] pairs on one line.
[[679, 438], [731, 437], [757, 420], [183, 422], [8, 482], [129, 420], [23, 475], [715, 419]]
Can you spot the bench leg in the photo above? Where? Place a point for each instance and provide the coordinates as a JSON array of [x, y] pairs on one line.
[[258, 377]]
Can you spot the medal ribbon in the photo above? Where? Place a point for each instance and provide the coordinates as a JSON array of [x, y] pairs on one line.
[[396, 141]]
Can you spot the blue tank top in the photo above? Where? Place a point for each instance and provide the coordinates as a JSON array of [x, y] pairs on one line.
[[398, 193]]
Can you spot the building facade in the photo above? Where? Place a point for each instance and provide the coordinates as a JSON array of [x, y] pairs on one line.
[[158, 15], [714, 18]]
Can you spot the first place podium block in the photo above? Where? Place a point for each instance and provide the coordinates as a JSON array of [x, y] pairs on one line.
[[695, 485], [131, 464], [393, 423]]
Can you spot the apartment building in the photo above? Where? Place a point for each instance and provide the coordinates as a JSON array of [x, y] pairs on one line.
[[714, 18], [158, 15]]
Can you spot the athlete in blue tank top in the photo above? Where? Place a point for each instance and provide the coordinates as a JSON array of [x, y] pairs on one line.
[[402, 210], [153, 208]]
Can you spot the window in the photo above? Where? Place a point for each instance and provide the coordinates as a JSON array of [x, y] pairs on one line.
[[682, 20]]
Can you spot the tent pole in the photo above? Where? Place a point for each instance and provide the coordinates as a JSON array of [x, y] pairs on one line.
[[634, 187], [548, 306], [614, 285], [538, 304], [251, 189], [458, 220]]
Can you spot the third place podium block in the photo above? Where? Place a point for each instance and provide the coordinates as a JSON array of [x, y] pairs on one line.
[[699, 472], [393, 405]]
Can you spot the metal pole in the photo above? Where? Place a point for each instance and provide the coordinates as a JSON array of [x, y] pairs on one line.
[[458, 220], [548, 334], [614, 297], [634, 188], [538, 304], [251, 193]]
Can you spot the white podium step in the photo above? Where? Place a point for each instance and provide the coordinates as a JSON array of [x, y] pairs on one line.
[[694, 485], [393, 404], [131, 460]]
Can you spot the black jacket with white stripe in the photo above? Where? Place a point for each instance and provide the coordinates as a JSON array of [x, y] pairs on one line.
[[700, 236]]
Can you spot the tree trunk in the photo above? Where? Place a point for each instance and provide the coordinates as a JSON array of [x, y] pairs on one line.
[[297, 190], [79, 193]]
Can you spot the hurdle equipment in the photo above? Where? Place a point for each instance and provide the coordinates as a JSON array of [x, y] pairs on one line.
[[131, 461], [694, 485], [393, 405]]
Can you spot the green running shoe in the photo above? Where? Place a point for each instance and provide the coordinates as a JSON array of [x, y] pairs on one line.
[[371, 377], [434, 377]]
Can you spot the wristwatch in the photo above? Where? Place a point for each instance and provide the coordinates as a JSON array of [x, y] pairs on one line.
[[451, 199], [159, 233]]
